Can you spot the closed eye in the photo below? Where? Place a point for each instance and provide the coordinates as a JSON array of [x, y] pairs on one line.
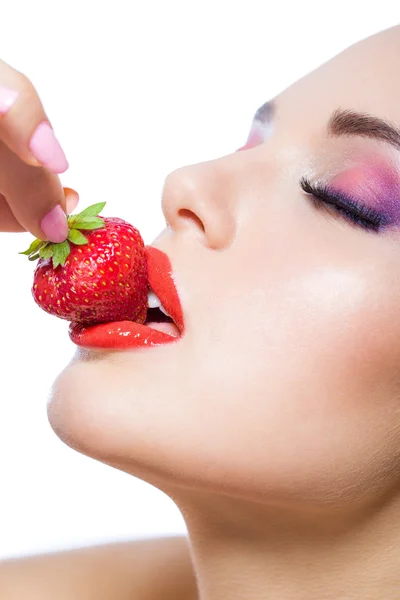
[[344, 206]]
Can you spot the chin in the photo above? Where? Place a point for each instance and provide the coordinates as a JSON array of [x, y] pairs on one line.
[[122, 408]]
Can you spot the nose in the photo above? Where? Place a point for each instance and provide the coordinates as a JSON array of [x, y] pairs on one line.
[[199, 199]]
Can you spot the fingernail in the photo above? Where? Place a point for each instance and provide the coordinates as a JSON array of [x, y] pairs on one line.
[[71, 202], [54, 225], [7, 99], [46, 148]]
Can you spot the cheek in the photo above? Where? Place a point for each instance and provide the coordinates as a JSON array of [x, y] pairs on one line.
[[309, 378], [323, 309], [341, 327], [326, 339]]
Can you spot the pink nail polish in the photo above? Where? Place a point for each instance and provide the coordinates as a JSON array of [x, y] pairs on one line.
[[54, 225], [47, 150], [7, 99]]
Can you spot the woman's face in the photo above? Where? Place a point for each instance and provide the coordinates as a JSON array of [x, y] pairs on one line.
[[286, 384]]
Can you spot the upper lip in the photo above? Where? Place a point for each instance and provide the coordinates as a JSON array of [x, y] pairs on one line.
[[161, 280]]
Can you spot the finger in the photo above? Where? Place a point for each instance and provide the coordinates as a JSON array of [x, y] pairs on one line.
[[24, 126], [35, 197], [71, 200], [8, 222]]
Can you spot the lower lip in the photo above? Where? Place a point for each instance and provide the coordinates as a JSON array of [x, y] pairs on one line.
[[120, 335]]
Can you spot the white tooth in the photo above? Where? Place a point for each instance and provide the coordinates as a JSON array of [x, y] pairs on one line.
[[164, 311], [153, 301]]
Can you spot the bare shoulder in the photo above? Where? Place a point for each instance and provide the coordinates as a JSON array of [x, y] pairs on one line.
[[148, 569]]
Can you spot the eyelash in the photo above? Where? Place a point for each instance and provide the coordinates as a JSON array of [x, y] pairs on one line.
[[345, 206]]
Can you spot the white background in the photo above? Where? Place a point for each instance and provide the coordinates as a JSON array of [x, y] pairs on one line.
[[134, 89]]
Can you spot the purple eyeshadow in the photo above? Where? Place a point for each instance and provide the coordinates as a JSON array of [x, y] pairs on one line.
[[374, 185]]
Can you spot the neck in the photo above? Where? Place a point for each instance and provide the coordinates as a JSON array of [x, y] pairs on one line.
[[245, 550]]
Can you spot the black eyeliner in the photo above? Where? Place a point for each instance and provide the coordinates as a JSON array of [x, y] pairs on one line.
[[359, 214]]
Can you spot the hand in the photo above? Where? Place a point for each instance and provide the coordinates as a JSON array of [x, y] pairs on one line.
[[31, 195]]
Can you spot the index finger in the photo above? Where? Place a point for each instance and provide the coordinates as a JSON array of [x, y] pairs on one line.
[[30, 159]]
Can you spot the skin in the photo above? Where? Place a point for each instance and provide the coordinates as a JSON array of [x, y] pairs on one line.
[[273, 424], [28, 190], [147, 569]]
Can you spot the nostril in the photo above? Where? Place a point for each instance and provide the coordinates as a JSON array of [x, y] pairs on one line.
[[189, 215]]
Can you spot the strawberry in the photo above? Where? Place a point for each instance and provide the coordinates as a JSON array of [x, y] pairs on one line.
[[93, 278]]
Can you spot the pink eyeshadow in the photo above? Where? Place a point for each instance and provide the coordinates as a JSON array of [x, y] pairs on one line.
[[375, 185]]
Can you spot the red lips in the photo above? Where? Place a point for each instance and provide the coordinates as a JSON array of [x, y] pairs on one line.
[[127, 334]]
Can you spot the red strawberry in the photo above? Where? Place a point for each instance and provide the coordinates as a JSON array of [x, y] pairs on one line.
[[93, 278]]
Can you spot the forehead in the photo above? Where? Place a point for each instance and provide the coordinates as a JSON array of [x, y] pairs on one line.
[[365, 77]]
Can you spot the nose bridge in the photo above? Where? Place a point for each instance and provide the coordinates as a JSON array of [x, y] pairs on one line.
[[200, 197]]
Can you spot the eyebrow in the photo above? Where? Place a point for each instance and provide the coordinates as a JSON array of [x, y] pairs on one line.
[[346, 123], [351, 123]]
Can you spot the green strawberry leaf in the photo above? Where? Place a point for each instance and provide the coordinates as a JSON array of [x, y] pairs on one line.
[[46, 251], [76, 237], [91, 211], [34, 247], [61, 252], [88, 223], [86, 220]]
